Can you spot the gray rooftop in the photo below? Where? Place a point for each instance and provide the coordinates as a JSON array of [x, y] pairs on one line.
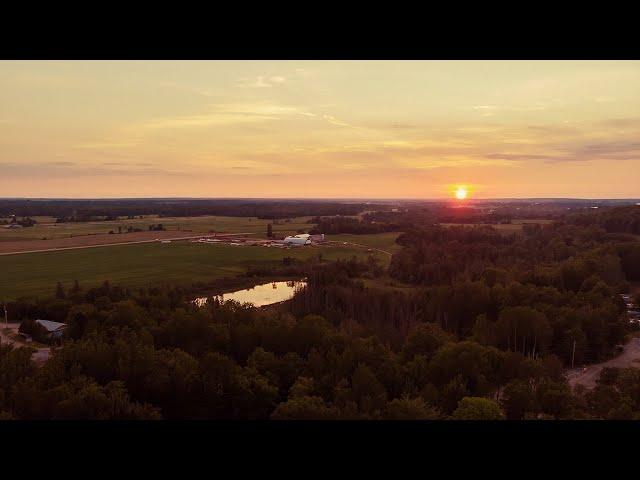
[[51, 326]]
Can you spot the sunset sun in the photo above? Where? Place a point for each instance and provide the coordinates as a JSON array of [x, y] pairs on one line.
[[461, 192]]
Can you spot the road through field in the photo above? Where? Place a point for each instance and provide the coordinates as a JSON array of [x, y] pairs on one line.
[[92, 241]]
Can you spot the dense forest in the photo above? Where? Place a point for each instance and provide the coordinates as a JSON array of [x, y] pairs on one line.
[[152, 354], [614, 220], [466, 323], [339, 224]]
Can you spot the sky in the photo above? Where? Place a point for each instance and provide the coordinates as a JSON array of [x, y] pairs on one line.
[[319, 129]]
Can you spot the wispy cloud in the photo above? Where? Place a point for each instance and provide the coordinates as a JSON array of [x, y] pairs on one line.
[[205, 120], [188, 88], [518, 156], [48, 170], [334, 121], [228, 114], [555, 129], [101, 145], [61, 163], [127, 164], [577, 152], [486, 110], [402, 126], [631, 122], [620, 150], [262, 81]]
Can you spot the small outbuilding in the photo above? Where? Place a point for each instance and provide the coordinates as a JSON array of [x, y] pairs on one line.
[[45, 331]]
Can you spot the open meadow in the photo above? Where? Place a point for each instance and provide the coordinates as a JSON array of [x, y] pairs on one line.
[[180, 263]]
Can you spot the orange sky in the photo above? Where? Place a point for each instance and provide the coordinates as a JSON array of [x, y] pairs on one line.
[[374, 129]]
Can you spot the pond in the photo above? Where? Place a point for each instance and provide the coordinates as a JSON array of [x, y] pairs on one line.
[[260, 295]]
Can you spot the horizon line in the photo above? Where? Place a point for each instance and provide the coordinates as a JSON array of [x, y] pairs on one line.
[[424, 199]]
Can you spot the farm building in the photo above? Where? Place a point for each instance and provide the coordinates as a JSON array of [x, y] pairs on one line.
[[42, 330], [300, 239]]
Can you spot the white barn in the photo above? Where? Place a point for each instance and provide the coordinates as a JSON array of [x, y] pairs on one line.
[[300, 239]]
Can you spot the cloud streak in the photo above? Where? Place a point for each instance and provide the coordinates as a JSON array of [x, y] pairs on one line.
[[262, 82], [228, 114]]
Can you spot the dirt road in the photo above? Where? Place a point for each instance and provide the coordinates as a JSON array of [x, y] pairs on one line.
[[630, 357], [40, 356], [4, 336]]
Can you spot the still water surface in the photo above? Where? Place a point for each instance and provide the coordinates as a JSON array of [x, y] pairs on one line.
[[260, 295]]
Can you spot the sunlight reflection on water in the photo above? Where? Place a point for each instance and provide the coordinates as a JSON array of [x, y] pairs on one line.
[[260, 295]]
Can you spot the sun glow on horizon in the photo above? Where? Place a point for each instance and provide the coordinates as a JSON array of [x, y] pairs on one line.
[[320, 129], [461, 192]]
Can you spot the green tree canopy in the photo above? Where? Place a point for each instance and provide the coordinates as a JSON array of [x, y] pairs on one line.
[[477, 408]]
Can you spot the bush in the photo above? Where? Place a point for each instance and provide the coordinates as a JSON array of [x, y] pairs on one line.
[[477, 408]]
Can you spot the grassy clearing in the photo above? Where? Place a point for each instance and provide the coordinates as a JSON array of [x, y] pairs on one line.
[[384, 241], [541, 221], [514, 227], [387, 283], [502, 228], [46, 228], [149, 264]]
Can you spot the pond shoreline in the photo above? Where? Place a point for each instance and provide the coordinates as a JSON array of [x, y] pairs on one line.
[[239, 283], [268, 292]]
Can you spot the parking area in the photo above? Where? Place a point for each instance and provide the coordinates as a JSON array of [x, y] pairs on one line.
[[9, 335]]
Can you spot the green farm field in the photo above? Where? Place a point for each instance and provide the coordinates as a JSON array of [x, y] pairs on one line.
[[46, 228], [178, 263]]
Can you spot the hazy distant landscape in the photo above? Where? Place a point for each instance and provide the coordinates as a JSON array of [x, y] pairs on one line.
[[152, 264]]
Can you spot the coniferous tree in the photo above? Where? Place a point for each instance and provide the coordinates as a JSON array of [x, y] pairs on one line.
[[60, 291]]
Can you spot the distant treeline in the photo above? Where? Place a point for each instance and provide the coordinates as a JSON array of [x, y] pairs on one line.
[[431, 214], [335, 225], [392, 220], [614, 220], [24, 222], [71, 210]]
